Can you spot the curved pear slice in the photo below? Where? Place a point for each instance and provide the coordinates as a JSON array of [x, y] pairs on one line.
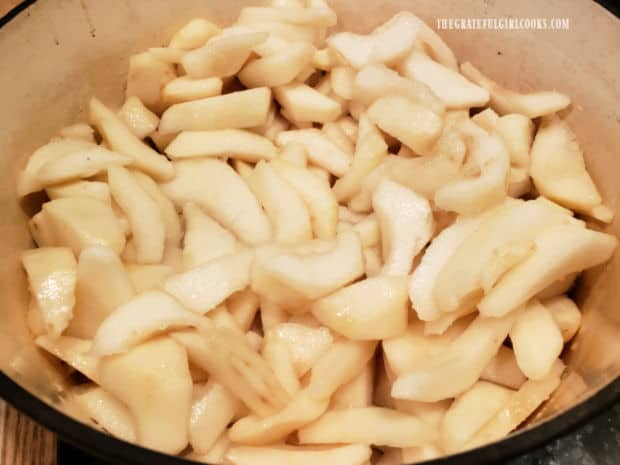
[[317, 195], [517, 132], [184, 89], [506, 101], [277, 69], [148, 229], [558, 169], [51, 277], [565, 314], [305, 104], [146, 277], [560, 250], [120, 139], [439, 50], [216, 187], [406, 223], [371, 309], [459, 280], [354, 454], [503, 370], [194, 34], [137, 320], [154, 381], [284, 207], [389, 428], [74, 352], [95, 189], [140, 120], [449, 85]]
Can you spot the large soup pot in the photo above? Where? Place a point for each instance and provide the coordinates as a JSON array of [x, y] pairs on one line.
[[55, 54]]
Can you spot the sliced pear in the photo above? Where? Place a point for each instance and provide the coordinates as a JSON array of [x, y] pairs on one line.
[[234, 143], [390, 428], [242, 109], [519, 182], [278, 356], [146, 77], [148, 229], [469, 412], [558, 168], [146, 277], [321, 151], [167, 54], [95, 189], [449, 85], [140, 120], [213, 409], [506, 101], [208, 285], [105, 411], [371, 309], [102, 286], [194, 34], [560, 250], [271, 314], [74, 352], [504, 370], [277, 69], [185, 89], [294, 153], [305, 104], [227, 199], [317, 195], [78, 131], [406, 223], [243, 306], [120, 139], [284, 206], [387, 44], [154, 381], [413, 124], [354, 454], [337, 136], [342, 78], [566, 315], [216, 454], [371, 149], [357, 393], [51, 276], [292, 280], [325, 59], [487, 119], [204, 238], [517, 132]]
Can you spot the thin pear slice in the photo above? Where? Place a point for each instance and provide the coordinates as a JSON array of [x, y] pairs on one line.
[[234, 143], [284, 206], [102, 286], [140, 120], [504, 370], [95, 189], [120, 139], [277, 69], [560, 250], [357, 393], [51, 277], [74, 352], [140, 318], [517, 132], [506, 101], [566, 315], [390, 428], [355, 454], [305, 104], [227, 199], [558, 169], [449, 85], [406, 223], [146, 76], [371, 309], [146, 277], [278, 356], [154, 381], [78, 131], [185, 89], [194, 34], [317, 195]]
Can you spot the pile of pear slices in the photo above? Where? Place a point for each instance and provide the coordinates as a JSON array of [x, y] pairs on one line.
[[289, 246]]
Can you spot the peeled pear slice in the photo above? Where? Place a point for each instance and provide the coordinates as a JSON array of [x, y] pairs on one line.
[[469, 412], [376, 81], [102, 286], [504, 370], [146, 277], [517, 132], [185, 89], [459, 280], [411, 123], [321, 151], [458, 367], [486, 119], [558, 168], [78, 131], [140, 120], [449, 85], [95, 189], [317, 195], [213, 409], [506, 101], [243, 306], [293, 280], [560, 250], [146, 76], [205, 287], [406, 223], [277, 69], [354, 454], [278, 356], [305, 104], [154, 381], [74, 352], [387, 44], [105, 411], [536, 340], [204, 238], [222, 56], [242, 109], [285, 208], [370, 150], [389, 428], [234, 143], [144, 216], [371, 309], [227, 199], [566, 315], [357, 393], [120, 139], [138, 319], [194, 34]]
